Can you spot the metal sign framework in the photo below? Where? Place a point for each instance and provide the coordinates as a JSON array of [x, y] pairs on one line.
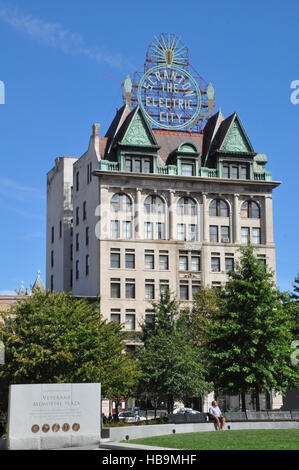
[[171, 93]]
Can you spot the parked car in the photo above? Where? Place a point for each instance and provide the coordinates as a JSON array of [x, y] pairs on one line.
[[129, 417], [184, 410]]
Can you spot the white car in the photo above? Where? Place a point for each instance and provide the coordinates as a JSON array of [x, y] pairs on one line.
[[183, 410], [129, 417]]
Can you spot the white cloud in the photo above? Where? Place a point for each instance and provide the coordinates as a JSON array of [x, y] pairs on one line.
[[54, 35]]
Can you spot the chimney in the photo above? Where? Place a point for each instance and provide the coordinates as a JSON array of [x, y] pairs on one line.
[[96, 130]]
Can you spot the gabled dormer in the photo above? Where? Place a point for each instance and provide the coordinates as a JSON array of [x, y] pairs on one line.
[[185, 157], [135, 144], [231, 152]]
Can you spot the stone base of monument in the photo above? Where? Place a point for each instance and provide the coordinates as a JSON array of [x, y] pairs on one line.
[[53, 416]]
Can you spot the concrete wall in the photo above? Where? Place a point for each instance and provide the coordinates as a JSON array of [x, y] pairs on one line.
[[136, 432]]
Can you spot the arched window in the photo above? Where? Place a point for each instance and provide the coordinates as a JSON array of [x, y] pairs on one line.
[[186, 206], [250, 210], [154, 205], [121, 202], [219, 208]]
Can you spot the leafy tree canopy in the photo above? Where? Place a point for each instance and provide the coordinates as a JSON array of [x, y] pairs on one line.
[[52, 337], [170, 358]]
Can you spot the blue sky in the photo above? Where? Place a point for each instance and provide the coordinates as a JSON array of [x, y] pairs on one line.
[[63, 62]]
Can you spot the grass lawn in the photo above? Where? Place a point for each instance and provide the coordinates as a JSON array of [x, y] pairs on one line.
[[261, 439]]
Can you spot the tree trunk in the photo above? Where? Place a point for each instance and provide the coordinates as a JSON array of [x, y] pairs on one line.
[[170, 404], [243, 400], [257, 399]]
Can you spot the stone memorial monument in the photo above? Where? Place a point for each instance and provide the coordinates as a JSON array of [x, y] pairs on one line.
[[51, 416]]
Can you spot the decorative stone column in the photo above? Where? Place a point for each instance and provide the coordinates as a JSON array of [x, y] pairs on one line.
[[236, 220], [267, 220], [137, 214], [171, 218], [205, 218]]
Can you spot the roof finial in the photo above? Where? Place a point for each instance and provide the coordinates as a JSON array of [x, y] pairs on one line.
[[128, 90], [38, 285], [22, 290]]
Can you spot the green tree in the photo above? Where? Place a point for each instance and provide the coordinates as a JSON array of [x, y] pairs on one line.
[[249, 339], [170, 358], [295, 294], [295, 307], [52, 337]]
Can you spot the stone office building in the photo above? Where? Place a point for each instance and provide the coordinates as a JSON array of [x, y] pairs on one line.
[[143, 210], [153, 205]]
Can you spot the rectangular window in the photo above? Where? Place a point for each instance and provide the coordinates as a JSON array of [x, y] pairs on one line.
[[149, 318], [148, 230], [77, 181], [160, 231], [130, 260], [163, 262], [229, 263], [149, 289], [114, 259], [187, 169], [164, 286], [128, 165], [262, 259], [127, 230], [71, 252], [90, 171], [130, 288], [235, 172], [192, 232], [114, 228], [215, 263], [256, 236], [115, 288], [195, 263], [130, 320], [224, 234], [87, 173], [71, 278], [184, 291], [243, 172], [149, 261], [77, 241], [181, 231], [77, 215], [60, 229], [225, 171], [52, 234], [137, 166], [195, 289], [84, 210], [147, 166], [183, 263], [52, 259], [87, 262], [52, 283], [115, 315], [213, 234], [245, 235], [77, 269], [87, 236]]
